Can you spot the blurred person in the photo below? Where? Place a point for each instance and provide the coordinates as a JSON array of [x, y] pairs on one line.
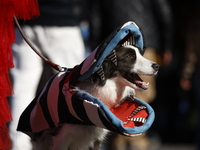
[[57, 34], [155, 20]]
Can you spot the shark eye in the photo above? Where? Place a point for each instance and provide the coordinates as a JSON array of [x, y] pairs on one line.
[[131, 56]]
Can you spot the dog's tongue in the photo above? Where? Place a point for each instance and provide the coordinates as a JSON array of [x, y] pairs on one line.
[[134, 78], [141, 84], [131, 113]]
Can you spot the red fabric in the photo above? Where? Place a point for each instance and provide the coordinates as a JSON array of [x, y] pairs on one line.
[[124, 111], [22, 9]]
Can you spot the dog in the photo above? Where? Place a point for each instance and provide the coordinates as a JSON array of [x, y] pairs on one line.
[[111, 85]]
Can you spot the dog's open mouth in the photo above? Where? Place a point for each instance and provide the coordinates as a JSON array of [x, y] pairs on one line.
[[132, 114], [135, 79]]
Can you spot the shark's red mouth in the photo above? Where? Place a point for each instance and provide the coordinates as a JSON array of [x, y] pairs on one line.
[[132, 114]]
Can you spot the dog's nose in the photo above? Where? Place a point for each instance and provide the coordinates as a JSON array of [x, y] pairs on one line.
[[155, 66]]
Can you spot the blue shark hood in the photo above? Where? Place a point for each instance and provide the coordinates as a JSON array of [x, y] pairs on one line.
[[128, 34], [58, 103]]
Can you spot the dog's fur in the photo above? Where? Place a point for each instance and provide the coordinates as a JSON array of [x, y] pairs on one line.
[[111, 90]]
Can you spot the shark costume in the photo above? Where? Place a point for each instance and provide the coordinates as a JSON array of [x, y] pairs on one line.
[[58, 103]]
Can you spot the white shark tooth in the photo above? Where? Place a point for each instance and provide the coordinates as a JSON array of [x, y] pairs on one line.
[[143, 107], [143, 120], [138, 109], [132, 119], [125, 122]]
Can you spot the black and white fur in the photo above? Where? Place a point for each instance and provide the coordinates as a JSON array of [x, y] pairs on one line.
[[111, 90]]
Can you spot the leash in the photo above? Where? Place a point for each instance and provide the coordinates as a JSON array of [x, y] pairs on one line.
[[53, 65]]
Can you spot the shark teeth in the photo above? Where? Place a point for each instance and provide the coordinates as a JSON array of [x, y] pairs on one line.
[[100, 72], [112, 56], [130, 98], [130, 41], [129, 118], [137, 110], [143, 120]]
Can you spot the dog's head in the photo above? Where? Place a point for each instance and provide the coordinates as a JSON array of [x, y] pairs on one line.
[[125, 63]]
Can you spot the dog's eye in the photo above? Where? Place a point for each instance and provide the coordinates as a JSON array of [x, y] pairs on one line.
[[131, 56]]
